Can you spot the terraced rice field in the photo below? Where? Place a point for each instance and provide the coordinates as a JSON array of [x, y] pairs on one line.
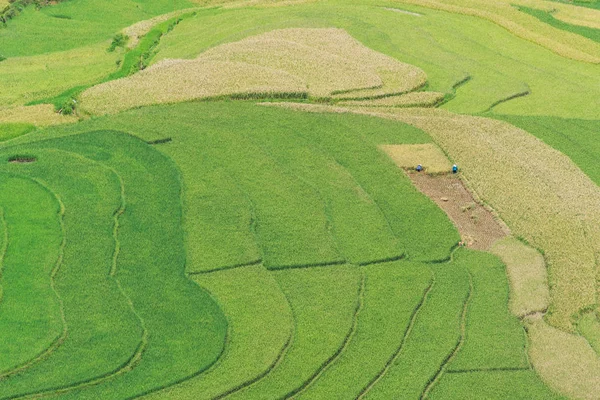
[[217, 199]]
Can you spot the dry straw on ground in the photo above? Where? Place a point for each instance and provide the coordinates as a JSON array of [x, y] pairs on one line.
[[39, 115], [565, 362], [320, 62]]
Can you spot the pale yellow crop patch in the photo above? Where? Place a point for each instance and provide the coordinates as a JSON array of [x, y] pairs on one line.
[[38, 115], [316, 62], [527, 275], [408, 156]]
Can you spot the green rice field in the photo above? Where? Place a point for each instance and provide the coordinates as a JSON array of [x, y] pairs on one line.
[[195, 202]]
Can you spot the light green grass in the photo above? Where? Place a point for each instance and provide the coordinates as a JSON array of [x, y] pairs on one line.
[[392, 292], [24, 79], [30, 310], [12, 130], [76, 23], [324, 302], [260, 325]]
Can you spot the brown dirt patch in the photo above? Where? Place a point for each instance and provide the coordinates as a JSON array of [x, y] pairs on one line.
[[477, 225]]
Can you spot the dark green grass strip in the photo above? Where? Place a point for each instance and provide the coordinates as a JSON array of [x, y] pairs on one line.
[[31, 320], [176, 312], [94, 306], [546, 17]]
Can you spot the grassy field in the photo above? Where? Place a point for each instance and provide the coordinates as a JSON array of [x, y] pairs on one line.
[[208, 199]]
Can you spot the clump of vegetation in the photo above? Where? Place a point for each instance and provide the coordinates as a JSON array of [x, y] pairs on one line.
[[119, 40]]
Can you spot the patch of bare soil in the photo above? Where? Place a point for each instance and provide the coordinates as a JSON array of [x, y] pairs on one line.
[[478, 227]]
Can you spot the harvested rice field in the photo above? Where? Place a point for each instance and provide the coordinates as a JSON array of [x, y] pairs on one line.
[[305, 199]]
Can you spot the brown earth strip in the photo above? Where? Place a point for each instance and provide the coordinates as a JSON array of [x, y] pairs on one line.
[[478, 227]]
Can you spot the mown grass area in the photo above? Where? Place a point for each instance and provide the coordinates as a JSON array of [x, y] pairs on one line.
[[76, 23], [30, 308]]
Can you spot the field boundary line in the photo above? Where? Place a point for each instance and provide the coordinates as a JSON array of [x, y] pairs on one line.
[[398, 351], [463, 330], [56, 343], [523, 93], [226, 268], [335, 356]]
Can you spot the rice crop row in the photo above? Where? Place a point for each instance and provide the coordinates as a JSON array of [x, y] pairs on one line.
[[234, 147], [259, 326], [494, 338], [12, 130], [95, 309], [392, 292], [519, 384], [549, 18], [324, 302], [30, 310]]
